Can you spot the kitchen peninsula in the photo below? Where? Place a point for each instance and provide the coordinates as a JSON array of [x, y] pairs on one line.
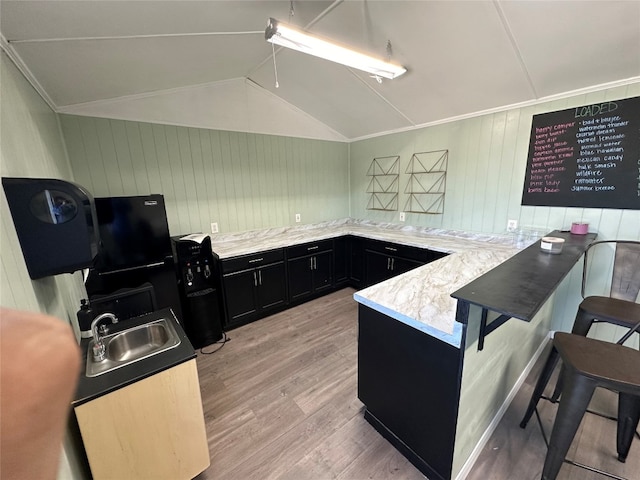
[[425, 384], [434, 396]]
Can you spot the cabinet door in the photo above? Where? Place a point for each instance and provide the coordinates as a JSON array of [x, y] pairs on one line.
[[356, 260], [401, 265], [377, 267], [153, 428], [239, 294], [300, 277], [272, 286], [341, 260], [322, 271]]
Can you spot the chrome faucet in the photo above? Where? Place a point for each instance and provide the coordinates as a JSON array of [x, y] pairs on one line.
[[99, 348]]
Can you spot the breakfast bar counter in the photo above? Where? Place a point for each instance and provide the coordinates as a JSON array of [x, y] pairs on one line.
[[428, 388]]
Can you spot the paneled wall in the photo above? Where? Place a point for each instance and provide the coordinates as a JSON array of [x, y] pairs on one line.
[[31, 146], [487, 160], [485, 177], [242, 181]]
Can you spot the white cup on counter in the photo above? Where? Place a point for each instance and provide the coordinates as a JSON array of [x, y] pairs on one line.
[[552, 245]]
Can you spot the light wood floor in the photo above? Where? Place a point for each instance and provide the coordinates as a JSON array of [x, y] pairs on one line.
[[280, 401]]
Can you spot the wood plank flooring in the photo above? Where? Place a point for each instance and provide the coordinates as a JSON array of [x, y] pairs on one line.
[[280, 402]]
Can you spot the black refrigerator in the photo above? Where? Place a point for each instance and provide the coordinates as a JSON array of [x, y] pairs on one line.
[[134, 248]]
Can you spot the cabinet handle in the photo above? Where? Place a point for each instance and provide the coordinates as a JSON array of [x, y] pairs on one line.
[[315, 263], [391, 249], [393, 261], [310, 263], [388, 263], [260, 277], [255, 279], [315, 247], [256, 260]]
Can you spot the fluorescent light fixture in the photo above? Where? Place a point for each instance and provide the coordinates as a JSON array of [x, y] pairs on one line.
[[286, 36]]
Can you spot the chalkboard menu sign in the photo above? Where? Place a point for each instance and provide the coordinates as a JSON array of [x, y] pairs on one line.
[[587, 156]]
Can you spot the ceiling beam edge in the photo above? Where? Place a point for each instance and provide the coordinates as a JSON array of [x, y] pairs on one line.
[[24, 70], [264, 91], [514, 45]]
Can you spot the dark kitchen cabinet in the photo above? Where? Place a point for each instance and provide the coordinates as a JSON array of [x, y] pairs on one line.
[[341, 253], [356, 262], [383, 260], [254, 286], [380, 267], [393, 359], [310, 269], [259, 284]]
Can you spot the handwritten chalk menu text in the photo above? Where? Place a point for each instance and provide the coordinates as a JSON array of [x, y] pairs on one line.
[[587, 156]]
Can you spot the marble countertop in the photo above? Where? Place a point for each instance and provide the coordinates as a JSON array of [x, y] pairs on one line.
[[448, 241], [421, 297]]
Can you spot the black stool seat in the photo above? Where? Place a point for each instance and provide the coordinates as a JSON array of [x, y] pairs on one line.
[[605, 309], [593, 309], [591, 363]]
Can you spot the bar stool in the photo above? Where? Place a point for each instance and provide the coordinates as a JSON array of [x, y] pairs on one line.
[[591, 363], [619, 308]]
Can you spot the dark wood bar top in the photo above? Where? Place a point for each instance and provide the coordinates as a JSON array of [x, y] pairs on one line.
[[520, 286]]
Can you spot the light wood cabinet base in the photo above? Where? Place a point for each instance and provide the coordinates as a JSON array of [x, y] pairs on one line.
[[153, 428]]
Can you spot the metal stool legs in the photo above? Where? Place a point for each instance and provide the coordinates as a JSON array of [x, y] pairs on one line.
[[547, 370], [577, 394], [581, 326], [589, 364], [628, 419]]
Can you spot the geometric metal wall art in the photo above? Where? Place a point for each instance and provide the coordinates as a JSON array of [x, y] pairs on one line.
[[427, 182], [384, 185]]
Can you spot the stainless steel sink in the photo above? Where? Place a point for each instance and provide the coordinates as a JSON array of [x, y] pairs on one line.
[[132, 345]]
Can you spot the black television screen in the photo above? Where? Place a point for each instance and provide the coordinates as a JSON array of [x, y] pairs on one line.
[[133, 232]]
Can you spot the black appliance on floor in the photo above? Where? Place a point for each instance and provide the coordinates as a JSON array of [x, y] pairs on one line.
[[134, 249], [197, 286]]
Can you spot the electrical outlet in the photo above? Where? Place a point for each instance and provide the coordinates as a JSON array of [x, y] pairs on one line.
[[512, 225], [402, 216], [214, 227], [297, 218]]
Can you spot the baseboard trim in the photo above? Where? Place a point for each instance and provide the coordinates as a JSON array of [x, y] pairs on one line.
[[466, 468]]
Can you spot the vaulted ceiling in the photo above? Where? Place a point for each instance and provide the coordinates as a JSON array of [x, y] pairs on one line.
[[200, 59]]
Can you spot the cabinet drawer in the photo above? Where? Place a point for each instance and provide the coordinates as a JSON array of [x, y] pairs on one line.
[[253, 260], [397, 250], [309, 248]]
